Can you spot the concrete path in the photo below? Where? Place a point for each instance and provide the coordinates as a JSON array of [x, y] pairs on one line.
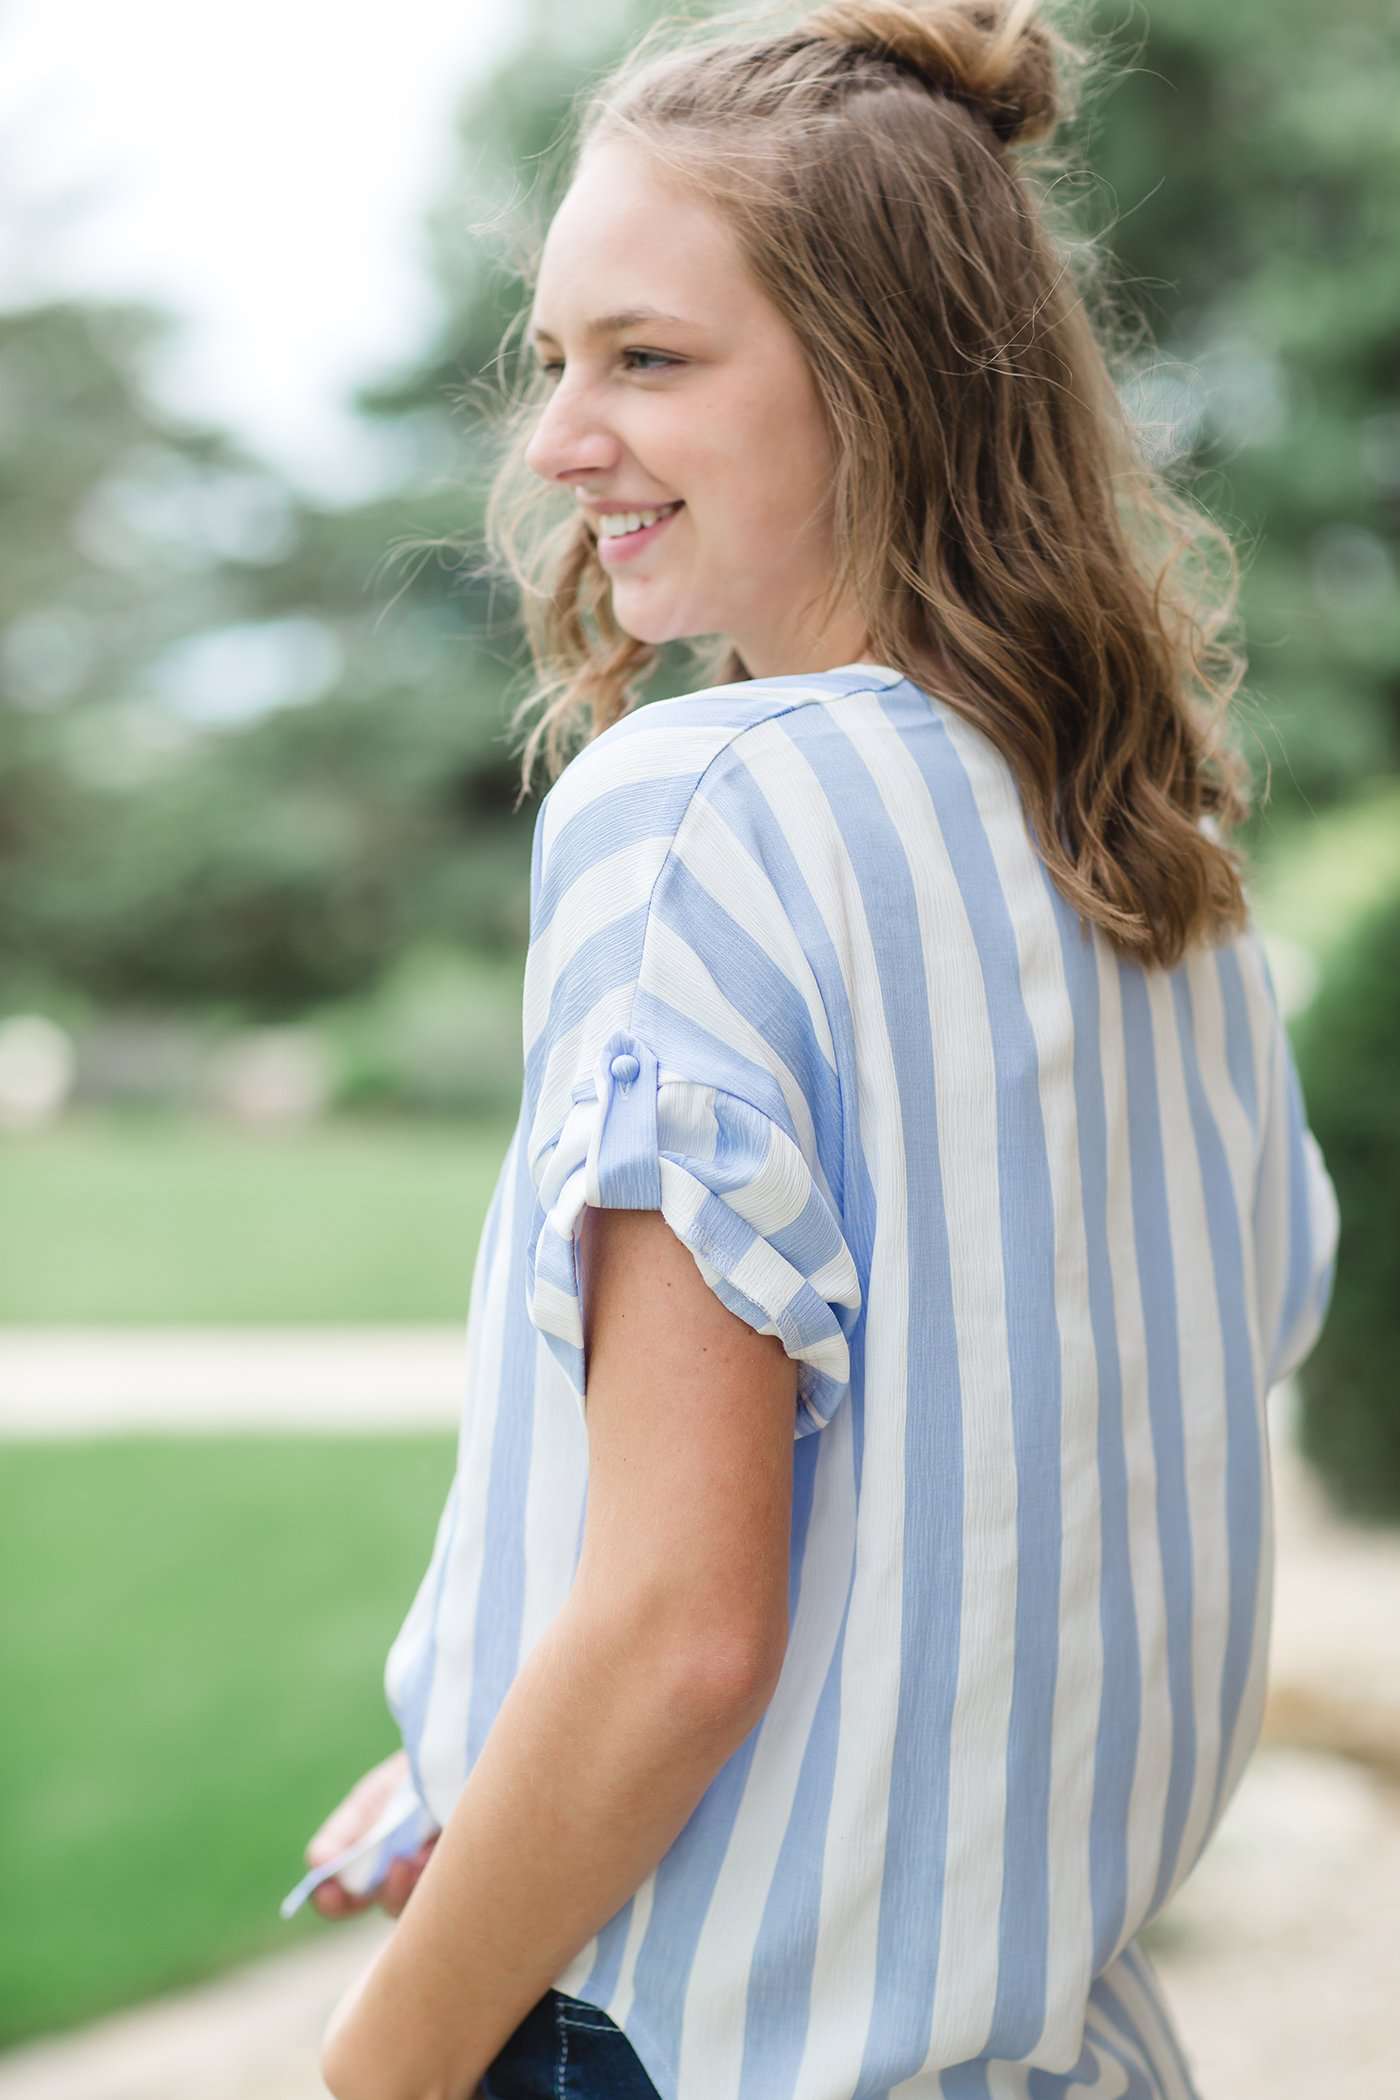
[[255, 2034], [1280, 1956], [1278, 1959], [83, 1381]]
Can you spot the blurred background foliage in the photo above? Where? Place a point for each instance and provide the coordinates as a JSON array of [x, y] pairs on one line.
[[1346, 1042], [255, 772], [258, 855], [252, 756]]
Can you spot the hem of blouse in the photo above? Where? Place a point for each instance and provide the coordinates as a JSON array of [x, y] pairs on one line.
[[645, 2045]]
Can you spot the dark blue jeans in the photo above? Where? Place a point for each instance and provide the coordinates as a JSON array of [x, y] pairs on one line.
[[564, 2049]]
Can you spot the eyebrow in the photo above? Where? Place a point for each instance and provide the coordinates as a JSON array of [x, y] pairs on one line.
[[613, 324]]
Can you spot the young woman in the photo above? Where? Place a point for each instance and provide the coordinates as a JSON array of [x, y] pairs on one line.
[[849, 1617]]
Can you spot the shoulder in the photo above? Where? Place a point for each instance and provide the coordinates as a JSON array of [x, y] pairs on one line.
[[647, 766]]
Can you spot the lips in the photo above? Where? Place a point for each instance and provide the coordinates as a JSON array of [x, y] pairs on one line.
[[634, 510], [625, 546]]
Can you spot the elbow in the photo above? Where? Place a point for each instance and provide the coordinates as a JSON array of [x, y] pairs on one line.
[[706, 1677], [728, 1680], [339, 2074], [343, 2082], [333, 2075], [348, 2074]]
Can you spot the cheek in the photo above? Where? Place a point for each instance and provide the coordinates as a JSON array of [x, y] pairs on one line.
[[784, 464], [729, 436], [752, 462]]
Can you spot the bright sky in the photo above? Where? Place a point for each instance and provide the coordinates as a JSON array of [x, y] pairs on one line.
[[260, 168]]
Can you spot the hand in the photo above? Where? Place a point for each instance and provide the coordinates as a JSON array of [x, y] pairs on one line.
[[350, 1821]]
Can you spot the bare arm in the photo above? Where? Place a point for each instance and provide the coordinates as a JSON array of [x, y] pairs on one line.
[[660, 1664]]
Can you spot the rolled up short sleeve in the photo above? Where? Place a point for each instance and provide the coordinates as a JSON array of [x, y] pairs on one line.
[[732, 1184], [677, 1053]]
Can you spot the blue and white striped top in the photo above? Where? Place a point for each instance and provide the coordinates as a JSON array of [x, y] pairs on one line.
[[1040, 1228]]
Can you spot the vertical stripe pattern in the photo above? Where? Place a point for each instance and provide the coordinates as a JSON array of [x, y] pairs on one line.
[[1039, 1228]]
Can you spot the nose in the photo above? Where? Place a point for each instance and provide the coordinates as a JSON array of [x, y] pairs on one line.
[[569, 437]]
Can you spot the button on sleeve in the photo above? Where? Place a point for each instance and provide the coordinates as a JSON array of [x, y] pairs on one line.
[[734, 1188]]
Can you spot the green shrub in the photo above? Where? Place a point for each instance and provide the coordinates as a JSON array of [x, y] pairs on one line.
[[438, 1033], [1347, 1045]]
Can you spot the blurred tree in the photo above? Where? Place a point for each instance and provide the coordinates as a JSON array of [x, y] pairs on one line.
[[1345, 1041], [255, 749], [126, 529], [1253, 161], [1252, 204]]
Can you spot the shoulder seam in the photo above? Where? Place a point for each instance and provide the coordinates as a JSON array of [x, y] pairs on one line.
[[744, 729], [809, 700]]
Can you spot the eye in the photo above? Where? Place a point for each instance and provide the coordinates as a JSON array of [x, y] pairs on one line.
[[658, 360]]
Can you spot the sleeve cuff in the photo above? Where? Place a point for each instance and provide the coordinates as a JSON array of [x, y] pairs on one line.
[[733, 1186]]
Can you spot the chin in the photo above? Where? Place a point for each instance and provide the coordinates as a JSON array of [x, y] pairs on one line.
[[656, 633]]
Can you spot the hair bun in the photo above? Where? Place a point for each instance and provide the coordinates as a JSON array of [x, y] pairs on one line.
[[995, 56]]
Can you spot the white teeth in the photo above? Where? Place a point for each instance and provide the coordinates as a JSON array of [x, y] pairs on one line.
[[612, 525]]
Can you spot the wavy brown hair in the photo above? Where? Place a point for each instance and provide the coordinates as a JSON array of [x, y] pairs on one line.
[[998, 518]]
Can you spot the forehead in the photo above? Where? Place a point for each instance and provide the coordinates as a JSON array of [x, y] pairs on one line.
[[626, 247]]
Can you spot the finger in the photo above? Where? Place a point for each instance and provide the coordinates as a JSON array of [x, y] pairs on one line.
[[355, 1813], [397, 1886], [328, 1842], [337, 1830], [345, 1822], [401, 1880], [345, 1906], [348, 1824], [334, 1900]]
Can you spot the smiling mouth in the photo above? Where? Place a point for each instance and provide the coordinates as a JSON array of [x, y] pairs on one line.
[[662, 510], [622, 546]]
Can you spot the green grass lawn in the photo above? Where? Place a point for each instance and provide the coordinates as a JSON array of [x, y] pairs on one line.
[[137, 1217], [196, 1628], [195, 1639], [140, 1218]]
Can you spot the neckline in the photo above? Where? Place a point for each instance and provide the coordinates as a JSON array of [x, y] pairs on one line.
[[883, 673]]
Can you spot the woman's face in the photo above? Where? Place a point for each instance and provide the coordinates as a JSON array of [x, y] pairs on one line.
[[712, 407]]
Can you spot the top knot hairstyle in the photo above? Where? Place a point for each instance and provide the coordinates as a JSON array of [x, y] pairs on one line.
[[999, 64], [997, 515]]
